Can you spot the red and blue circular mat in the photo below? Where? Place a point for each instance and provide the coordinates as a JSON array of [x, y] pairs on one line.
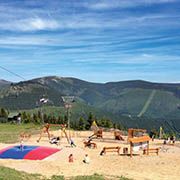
[[27, 152]]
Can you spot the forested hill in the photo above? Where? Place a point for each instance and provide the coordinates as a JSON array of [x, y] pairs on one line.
[[131, 102]]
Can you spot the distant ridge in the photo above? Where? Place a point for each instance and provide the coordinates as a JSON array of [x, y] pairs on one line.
[[130, 102], [4, 83]]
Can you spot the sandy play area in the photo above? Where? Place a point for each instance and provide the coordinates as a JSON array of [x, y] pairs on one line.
[[164, 166]]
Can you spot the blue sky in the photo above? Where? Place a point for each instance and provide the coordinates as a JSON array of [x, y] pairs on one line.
[[94, 40]]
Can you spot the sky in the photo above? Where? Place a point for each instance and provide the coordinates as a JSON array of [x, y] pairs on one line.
[[93, 40]]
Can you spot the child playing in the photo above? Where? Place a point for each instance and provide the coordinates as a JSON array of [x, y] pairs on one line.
[[72, 143], [55, 140], [21, 145], [71, 159], [86, 159]]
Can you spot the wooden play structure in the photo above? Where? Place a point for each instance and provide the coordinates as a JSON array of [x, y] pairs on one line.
[[117, 136], [97, 134], [138, 143], [46, 128], [138, 140], [110, 149], [90, 144], [63, 128], [135, 132]]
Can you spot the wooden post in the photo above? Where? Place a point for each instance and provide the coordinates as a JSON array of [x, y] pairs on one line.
[[130, 134], [147, 147], [131, 149], [62, 134]]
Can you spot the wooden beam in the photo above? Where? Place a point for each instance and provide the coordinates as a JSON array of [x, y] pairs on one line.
[[131, 149]]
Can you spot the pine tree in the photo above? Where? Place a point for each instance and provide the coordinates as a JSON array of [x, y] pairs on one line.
[[36, 119], [60, 120], [81, 123], [108, 123], [3, 113], [24, 117], [89, 120]]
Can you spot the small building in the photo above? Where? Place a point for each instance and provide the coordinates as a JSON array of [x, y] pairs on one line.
[[14, 117]]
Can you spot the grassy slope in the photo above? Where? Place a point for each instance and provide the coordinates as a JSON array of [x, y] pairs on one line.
[[10, 132], [8, 173]]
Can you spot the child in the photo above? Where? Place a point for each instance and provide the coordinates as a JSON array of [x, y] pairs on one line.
[[71, 159], [86, 159], [21, 145], [174, 139], [55, 140], [72, 143]]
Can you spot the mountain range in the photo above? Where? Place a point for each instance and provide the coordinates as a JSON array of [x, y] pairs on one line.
[[133, 103]]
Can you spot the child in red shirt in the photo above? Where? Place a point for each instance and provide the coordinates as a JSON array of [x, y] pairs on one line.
[[71, 159]]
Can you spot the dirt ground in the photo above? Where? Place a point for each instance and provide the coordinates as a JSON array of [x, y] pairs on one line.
[[164, 166]]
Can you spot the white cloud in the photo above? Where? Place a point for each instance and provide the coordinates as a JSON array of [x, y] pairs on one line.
[[21, 18], [30, 24], [41, 24], [146, 55], [22, 40], [107, 4]]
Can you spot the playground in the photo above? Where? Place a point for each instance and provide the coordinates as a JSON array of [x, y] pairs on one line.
[[114, 162]]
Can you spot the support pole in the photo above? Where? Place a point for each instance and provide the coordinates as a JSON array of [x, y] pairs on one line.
[[147, 147], [131, 149], [68, 100]]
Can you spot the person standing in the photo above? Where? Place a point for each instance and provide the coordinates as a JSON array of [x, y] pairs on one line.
[[86, 159], [19, 118]]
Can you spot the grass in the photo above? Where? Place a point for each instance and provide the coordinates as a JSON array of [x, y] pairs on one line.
[[8, 173], [10, 132]]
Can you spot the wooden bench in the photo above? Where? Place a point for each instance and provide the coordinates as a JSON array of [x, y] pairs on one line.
[[151, 150], [110, 149], [90, 144]]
